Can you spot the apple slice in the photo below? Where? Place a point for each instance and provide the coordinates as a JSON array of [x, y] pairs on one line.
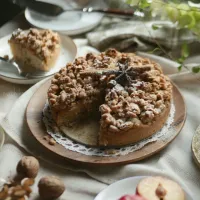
[[160, 188], [132, 197]]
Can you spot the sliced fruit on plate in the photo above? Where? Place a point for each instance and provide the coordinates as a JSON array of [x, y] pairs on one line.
[[160, 188]]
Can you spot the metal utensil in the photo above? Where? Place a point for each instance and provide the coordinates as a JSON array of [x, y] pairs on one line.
[[10, 66], [55, 10]]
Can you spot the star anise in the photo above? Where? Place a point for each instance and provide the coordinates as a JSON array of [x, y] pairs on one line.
[[124, 74]]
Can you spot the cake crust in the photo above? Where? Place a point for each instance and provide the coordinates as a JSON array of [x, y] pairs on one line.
[[130, 93]]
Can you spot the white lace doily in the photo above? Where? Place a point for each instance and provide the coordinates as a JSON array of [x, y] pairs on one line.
[[69, 144]]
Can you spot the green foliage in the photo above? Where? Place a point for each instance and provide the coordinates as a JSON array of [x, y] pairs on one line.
[[196, 69], [180, 67], [144, 4], [155, 27], [184, 54], [184, 51], [154, 50], [185, 15]]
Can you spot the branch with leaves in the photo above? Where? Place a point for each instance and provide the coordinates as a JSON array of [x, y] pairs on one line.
[[183, 15]]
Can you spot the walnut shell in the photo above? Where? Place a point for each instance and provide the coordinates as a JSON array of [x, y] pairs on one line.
[[50, 187], [28, 166]]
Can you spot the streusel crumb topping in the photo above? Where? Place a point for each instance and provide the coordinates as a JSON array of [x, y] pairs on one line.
[[41, 42], [135, 89]]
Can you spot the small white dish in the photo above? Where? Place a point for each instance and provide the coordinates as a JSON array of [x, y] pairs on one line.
[[66, 23], [67, 54], [123, 187]]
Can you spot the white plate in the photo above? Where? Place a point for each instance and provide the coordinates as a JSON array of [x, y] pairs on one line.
[[123, 187], [2, 137], [67, 54], [66, 23]]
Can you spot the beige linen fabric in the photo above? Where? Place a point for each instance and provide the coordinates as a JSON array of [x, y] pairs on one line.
[[175, 160]]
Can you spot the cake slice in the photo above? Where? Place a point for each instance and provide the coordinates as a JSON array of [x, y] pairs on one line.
[[35, 49]]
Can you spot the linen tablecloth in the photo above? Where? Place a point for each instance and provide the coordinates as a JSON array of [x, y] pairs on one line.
[[86, 182]]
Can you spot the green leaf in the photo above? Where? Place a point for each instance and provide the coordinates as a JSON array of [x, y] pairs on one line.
[[172, 12], [155, 27], [185, 51], [132, 2], [183, 7], [187, 20], [181, 60], [180, 68], [197, 15], [154, 50], [144, 4], [196, 69]]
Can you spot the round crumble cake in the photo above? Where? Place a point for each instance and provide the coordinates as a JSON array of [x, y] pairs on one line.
[[128, 94]]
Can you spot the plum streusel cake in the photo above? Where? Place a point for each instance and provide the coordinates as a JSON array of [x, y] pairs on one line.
[[35, 49], [130, 94]]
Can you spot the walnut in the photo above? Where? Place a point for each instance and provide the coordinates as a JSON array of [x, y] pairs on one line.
[[28, 166], [27, 182], [51, 95], [82, 94], [54, 87], [52, 101], [110, 120], [54, 81], [115, 107], [57, 75], [134, 107], [63, 96], [111, 52], [50, 187], [131, 114], [105, 109], [52, 141], [90, 56]]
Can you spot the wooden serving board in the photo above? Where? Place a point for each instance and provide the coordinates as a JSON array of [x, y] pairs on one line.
[[38, 130]]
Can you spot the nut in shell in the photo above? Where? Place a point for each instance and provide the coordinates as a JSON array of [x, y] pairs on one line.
[[28, 166], [50, 187]]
